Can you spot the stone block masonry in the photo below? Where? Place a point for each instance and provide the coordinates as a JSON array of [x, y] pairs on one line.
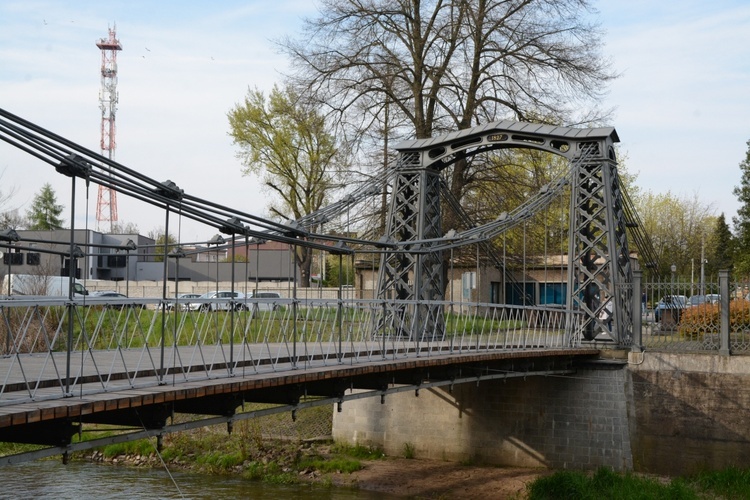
[[576, 421], [661, 413], [691, 412]]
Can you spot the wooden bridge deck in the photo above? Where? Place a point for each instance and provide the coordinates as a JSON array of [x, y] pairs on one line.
[[281, 386]]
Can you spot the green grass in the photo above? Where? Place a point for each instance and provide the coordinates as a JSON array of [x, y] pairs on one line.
[[143, 447], [604, 483], [727, 483], [97, 327], [456, 324], [14, 448], [271, 473], [334, 464], [220, 460], [730, 483], [358, 451]]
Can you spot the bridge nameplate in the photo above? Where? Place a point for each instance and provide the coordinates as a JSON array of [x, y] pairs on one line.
[[497, 137]]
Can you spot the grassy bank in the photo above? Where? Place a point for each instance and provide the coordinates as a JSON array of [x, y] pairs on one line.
[[274, 448], [269, 460], [282, 450], [729, 483]]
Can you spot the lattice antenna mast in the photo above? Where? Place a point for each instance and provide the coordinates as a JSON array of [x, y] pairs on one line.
[[106, 202]]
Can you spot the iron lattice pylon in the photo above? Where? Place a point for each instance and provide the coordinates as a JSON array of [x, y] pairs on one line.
[[599, 266], [599, 260], [416, 273], [106, 201]]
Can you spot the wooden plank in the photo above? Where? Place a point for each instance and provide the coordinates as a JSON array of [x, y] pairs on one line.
[[38, 411]]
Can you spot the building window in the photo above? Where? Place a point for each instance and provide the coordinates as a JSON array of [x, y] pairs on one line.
[[13, 259], [553, 293]]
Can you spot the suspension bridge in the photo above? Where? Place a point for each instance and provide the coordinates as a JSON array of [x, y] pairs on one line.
[[69, 362]]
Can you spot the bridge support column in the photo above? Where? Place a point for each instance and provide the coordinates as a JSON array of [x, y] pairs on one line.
[[413, 272], [599, 273], [551, 422]]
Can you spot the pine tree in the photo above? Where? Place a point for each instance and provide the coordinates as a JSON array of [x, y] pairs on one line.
[[45, 212], [742, 220], [722, 256]]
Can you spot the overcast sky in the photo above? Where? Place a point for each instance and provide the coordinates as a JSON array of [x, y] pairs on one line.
[[681, 102]]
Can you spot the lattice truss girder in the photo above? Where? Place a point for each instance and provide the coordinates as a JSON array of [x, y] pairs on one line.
[[415, 273], [600, 259], [599, 269]]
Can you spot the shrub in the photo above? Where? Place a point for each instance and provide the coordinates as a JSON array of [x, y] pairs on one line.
[[704, 319]]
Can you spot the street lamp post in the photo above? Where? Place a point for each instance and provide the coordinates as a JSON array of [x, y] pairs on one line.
[[217, 240], [11, 236], [672, 300]]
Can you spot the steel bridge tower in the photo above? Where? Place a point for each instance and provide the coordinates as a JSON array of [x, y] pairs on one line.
[[106, 200], [599, 266]]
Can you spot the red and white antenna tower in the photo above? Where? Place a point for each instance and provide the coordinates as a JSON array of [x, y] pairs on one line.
[[106, 201]]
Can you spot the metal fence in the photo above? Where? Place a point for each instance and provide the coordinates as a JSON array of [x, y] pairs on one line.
[[55, 348], [683, 316]]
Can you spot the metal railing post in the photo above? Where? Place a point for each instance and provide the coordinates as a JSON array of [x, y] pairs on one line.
[[339, 326], [724, 349], [163, 307], [71, 275], [232, 309], [637, 312], [294, 307]]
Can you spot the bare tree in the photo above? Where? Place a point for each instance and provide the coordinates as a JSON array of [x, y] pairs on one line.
[[124, 228], [450, 64], [9, 217]]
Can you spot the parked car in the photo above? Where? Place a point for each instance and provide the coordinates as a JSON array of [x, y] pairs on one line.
[[217, 305], [696, 300], [119, 300], [670, 302], [183, 299], [267, 301]]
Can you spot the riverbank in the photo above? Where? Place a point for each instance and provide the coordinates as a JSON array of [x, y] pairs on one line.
[[413, 478], [278, 449], [432, 479]]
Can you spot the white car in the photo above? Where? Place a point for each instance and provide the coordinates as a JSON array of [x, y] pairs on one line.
[[267, 301], [219, 301], [183, 301]]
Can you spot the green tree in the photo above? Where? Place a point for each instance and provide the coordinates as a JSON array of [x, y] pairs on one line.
[[160, 239], [678, 227], [44, 213], [742, 219], [333, 277], [721, 254], [287, 142]]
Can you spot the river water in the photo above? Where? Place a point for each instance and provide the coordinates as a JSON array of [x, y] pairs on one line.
[[51, 480]]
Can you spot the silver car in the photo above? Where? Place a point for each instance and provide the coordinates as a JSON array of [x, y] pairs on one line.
[[183, 300], [218, 301], [267, 301]]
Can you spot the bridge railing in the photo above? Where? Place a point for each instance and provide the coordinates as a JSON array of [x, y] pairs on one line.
[[710, 316], [55, 348]]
